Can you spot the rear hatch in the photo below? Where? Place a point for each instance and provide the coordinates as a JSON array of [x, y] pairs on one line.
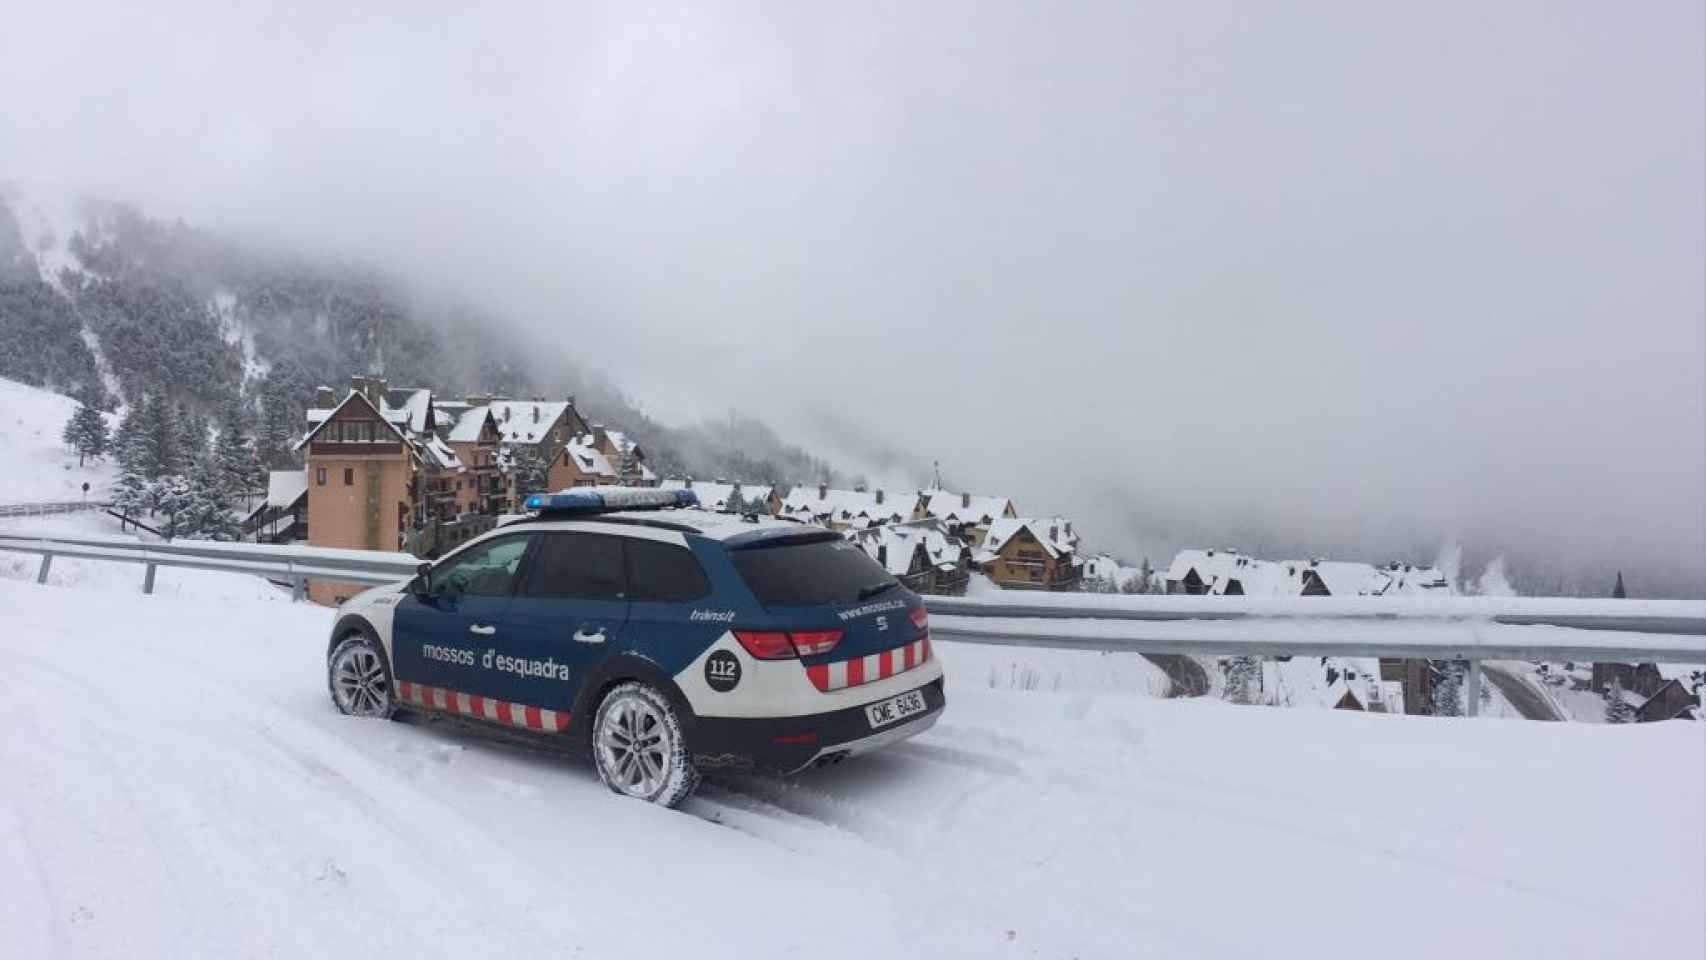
[[818, 584]]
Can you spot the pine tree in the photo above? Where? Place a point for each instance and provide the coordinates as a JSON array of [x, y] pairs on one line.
[[1617, 707], [130, 494], [532, 470], [86, 431], [1243, 679], [1448, 687], [158, 454], [205, 512], [1617, 592], [627, 467], [238, 469], [171, 499], [192, 436], [279, 430], [127, 439], [735, 503]]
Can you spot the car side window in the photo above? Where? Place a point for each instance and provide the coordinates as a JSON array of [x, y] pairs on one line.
[[578, 566], [487, 570], [664, 572]]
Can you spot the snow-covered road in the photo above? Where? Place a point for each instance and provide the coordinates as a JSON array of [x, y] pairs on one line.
[[174, 782]]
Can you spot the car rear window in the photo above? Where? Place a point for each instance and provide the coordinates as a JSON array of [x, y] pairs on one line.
[[802, 574]]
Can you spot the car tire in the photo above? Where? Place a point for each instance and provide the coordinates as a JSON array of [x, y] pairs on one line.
[[359, 678], [639, 748]]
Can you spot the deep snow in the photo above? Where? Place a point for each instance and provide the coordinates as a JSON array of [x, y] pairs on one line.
[[39, 467], [174, 781]]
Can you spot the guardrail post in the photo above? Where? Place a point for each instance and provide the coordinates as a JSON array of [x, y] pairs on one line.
[[46, 562], [148, 580], [1474, 709], [298, 588]]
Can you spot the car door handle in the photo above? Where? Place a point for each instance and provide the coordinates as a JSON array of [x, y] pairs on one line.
[[581, 636], [481, 630]]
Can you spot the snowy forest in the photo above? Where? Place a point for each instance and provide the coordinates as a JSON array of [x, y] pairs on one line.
[[185, 327]]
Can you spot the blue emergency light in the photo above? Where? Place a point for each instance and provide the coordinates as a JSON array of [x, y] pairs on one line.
[[588, 500]]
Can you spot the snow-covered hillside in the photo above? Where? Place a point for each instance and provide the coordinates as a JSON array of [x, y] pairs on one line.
[[177, 783], [37, 465]]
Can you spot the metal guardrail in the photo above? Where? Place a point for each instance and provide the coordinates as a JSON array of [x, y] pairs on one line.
[[1469, 629], [288, 564], [48, 509]]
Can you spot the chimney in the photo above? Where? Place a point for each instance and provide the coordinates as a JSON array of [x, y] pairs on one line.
[[324, 398], [883, 555], [1053, 532], [965, 501], [536, 413], [823, 491], [506, 414], [1069, 529], [372, 387], [879, 496]]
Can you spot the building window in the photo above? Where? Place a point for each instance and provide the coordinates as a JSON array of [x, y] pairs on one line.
[[320, 477], [349, 476]]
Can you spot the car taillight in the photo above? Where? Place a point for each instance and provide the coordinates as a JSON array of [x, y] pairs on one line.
[[776, 645], [920, 619], [811, 643], [766, 645]]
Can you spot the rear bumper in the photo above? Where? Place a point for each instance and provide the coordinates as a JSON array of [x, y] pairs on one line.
[[752, 743]]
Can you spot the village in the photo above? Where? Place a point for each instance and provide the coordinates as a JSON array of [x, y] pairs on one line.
[[404, 469]]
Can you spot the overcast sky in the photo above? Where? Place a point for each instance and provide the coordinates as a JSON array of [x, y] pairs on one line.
[[1333, 277]]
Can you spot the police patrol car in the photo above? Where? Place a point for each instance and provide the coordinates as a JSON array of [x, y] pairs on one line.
[[670, 641]]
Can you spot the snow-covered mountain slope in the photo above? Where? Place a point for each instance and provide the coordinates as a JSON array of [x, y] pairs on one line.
[[176, 783], [35, 465]]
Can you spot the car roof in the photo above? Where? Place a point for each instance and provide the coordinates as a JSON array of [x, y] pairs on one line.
[[725, 527]]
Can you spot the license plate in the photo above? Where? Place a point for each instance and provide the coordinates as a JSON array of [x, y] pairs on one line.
[[885, 712]]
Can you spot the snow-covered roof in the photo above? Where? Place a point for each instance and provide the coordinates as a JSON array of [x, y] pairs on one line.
[[1063, 542], [941, 548], [438, 453], [966, 508], [317, 418], [715, 496], [1220, 568], [589, 459], [849, 506], [468, 425], [284, 487], [1349, 579], [414, 406], [619, 440], [526, 421]]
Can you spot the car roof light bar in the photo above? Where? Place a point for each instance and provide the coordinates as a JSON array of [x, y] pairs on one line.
[[591, 500]]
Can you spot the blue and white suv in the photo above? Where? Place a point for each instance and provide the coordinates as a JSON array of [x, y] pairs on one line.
[[670, 641]]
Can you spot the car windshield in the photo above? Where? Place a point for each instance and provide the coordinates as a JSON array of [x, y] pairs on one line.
[[805, 574]]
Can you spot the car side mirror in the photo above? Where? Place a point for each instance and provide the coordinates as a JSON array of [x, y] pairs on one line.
[[422, 584]]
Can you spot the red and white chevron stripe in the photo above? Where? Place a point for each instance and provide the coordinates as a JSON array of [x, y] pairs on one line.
[[469, 705], [869, 669]]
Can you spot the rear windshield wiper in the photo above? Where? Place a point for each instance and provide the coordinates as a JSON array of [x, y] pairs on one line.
[[866, 593]]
